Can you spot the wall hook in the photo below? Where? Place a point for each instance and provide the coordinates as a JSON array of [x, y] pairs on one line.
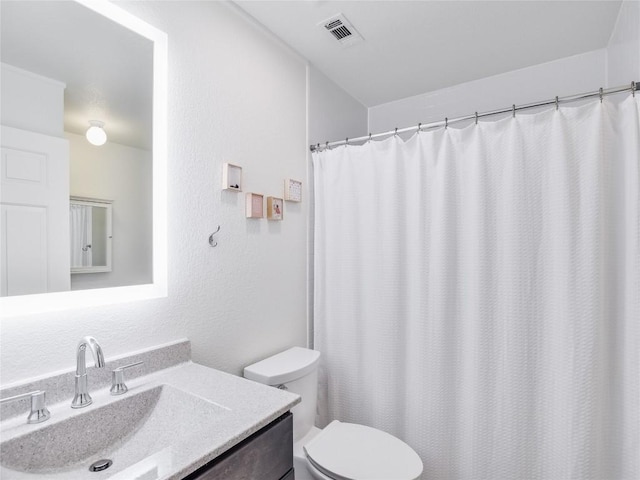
[[212, 242]]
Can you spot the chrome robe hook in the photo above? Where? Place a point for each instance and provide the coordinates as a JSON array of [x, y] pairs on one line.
[[212, 241]]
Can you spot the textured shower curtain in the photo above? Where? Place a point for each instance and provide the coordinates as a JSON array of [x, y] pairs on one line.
[[81, 227], [477, 293]]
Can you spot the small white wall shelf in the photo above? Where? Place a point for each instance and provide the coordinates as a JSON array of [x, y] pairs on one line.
[[254, 205], [275, 208], [231, 177], [292, 190]]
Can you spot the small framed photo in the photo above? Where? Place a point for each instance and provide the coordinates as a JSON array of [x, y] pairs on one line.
[[254, 203], [275, 209], [292, 190]]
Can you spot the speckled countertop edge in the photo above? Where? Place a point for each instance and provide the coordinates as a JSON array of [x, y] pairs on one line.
[[253, 406]]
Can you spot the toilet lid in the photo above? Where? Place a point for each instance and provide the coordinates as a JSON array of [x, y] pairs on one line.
[[347, 451]]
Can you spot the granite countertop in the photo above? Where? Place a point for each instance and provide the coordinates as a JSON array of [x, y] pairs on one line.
[[252, 406], [233, 409]]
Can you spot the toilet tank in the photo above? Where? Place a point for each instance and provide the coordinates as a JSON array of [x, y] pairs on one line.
[[294, 370]]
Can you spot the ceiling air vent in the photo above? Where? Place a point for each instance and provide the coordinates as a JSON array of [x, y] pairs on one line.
[[342, 30]]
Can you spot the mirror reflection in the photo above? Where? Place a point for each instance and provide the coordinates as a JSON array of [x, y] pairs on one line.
[[90, 235], [76, 119]]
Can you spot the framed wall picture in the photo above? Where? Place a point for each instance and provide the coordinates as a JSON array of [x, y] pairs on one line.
[[254, 205], [292, 190], [275, 208]]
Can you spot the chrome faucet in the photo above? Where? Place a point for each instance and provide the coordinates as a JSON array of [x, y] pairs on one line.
[[82, 397]]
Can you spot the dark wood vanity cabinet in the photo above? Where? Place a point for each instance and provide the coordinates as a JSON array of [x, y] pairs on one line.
[[265, 455], [290, 475]]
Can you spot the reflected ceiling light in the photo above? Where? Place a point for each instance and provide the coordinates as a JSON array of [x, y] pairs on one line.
[[96, 134]]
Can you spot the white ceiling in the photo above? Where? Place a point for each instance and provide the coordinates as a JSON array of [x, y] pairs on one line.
[[413, 47], [106, 67]]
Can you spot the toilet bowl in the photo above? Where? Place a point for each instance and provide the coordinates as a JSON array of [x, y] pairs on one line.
[[340, 451]]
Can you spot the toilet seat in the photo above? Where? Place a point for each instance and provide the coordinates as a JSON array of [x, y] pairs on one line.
[[348, 451]]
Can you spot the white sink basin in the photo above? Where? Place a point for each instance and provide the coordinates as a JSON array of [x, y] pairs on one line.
[[139, 433]]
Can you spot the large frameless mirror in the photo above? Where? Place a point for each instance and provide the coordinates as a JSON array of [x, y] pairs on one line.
[[83, 116]]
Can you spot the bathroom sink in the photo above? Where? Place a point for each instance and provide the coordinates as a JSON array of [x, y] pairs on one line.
[[141, 433]]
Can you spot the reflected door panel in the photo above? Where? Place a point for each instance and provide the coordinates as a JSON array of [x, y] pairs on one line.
[[24, 250], [35, 225]]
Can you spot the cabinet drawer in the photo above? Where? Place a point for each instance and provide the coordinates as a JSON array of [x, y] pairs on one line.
[[265, 455]]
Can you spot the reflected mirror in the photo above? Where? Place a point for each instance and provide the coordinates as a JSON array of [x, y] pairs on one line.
[[66, 67], [90, 232]]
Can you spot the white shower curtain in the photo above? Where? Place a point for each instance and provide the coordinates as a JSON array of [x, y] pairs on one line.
[[81, 233], [477, 293]]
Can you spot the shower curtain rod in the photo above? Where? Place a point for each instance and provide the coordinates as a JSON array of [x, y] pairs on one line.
[[513, 109]]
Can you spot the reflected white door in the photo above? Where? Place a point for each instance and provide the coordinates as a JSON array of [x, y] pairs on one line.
[[34, 199]]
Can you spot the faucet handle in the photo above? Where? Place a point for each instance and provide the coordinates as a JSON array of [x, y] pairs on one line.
[[39, 412], [117, 379]]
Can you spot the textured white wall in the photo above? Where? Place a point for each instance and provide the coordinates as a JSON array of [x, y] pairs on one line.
[[31, 102], [122, 174], [333, 113], [235, 95], [567, 76], [623, 51]]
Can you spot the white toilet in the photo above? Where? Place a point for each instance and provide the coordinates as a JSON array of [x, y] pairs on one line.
[[341, 451]]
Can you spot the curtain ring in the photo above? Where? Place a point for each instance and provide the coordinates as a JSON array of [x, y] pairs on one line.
[[601, 92], [446, 123], [633, 89], [476, 118], [557, 103], [513, 110]]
